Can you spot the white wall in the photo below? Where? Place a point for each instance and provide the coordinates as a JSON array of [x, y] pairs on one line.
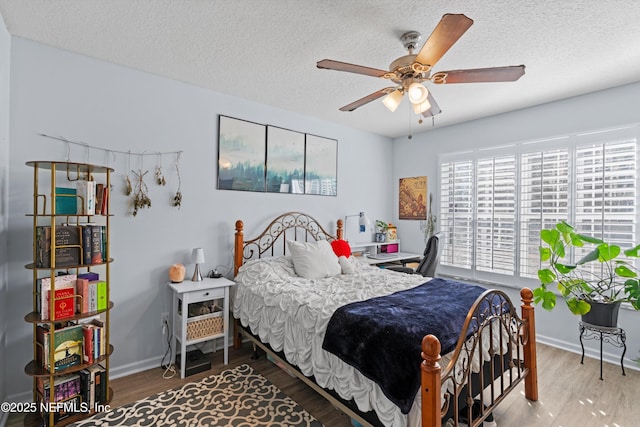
[[419, 156], [63, 94], [5, 48]]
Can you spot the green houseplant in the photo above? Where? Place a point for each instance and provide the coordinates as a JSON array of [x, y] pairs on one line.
[[604, 277]]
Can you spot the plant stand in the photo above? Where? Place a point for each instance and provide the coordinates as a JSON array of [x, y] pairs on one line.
[[614, 336]]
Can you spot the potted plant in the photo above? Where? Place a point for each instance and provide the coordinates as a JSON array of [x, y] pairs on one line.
[[381, 231], [593, 287]]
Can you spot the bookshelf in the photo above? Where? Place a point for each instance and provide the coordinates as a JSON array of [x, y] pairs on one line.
[[71, 300]]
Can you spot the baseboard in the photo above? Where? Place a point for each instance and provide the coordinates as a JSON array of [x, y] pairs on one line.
[[154, 362], [591, 353]]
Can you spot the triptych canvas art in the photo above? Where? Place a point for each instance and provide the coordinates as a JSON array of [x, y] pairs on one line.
[[256, 157]]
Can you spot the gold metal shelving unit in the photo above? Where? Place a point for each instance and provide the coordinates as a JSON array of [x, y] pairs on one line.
[[46, 175]]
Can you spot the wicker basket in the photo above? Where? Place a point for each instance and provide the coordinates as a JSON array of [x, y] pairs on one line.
[[206, 326]]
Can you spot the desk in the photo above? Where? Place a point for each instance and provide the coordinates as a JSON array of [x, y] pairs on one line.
[[391, 257], [614, 336], [188, 292]]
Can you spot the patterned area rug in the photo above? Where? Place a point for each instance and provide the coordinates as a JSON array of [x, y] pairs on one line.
[[236, 397]]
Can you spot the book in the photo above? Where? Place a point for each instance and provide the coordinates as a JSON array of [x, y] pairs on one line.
[[43, 286], [87, 331], [96, 244], [82, 289], [93, 296], [87, 387], [105, 201], [103, 233], [99, 196], [64, 387], [101, 295], [64, 303], [86, 244], [86, 191], [91, 276], [67, 346], [98, 373], [66, 203], [67, 246]]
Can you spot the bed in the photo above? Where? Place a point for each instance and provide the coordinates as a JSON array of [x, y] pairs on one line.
[[298, 321]]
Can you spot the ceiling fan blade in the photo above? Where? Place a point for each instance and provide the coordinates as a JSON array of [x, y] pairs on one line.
[[450, 28], [367, 99], [434, 109], [330, 64], [479, 75]]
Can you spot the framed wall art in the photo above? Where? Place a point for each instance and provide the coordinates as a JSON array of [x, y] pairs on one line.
[[413, 198], [321, 166], [241, 155], [285, 161], [265, 158]]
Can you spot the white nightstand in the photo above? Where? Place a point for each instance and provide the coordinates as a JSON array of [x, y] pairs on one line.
[[202, 326]]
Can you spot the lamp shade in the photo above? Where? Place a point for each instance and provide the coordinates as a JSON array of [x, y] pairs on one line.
[[417, 93], [198, 256], [392, 100], [364, 222], [421, 108]]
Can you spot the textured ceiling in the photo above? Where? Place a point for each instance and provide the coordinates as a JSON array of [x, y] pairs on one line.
[[266, 51]]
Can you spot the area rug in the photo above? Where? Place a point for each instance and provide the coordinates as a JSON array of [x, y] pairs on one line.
[[236, 397]]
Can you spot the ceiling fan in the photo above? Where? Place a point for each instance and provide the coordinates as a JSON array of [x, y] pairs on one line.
[[409, 71]]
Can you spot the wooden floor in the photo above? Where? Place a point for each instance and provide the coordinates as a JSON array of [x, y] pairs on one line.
[[571, 395]]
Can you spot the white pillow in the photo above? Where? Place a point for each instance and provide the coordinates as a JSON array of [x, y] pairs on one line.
[[346, 265], [314, 260]]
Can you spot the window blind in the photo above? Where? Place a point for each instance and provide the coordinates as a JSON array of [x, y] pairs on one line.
[[493, 203]]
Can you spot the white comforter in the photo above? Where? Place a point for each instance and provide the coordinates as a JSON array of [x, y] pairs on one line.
[[291, 314]]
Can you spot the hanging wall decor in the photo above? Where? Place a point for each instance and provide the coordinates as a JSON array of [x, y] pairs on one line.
[[133, 180], [321, 164], [241, 155], [255, 157], [285, 161], [412, 197]]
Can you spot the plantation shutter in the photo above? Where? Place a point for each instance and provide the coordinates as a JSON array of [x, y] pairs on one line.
[[544, 199], [496, 214], [456, 213], [606, 193]]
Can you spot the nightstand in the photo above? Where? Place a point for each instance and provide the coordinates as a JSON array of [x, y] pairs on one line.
[[200, 313]]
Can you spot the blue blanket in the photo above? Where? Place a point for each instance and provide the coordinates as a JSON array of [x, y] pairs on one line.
[[381, 337]]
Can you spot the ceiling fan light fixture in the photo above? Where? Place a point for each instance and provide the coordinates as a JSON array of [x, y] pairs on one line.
[[421, 108], [417, 93], [393, 100]]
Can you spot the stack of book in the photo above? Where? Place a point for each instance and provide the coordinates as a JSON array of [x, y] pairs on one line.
[[93, 381], [94, 340], [83, 244], [65, 387], [88, 198], [82, 294]]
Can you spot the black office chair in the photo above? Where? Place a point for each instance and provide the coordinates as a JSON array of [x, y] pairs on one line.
[[429, 261]]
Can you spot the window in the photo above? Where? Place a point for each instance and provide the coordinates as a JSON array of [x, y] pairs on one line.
[[493, 203]]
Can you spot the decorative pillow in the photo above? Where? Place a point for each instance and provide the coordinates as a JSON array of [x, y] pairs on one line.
[[345, 264], [341, 248], [314, 260]]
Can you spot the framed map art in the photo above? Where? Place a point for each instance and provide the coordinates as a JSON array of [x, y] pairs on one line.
[[413, 198]]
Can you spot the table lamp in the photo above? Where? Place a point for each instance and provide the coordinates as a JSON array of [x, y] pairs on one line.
[[198, 258]]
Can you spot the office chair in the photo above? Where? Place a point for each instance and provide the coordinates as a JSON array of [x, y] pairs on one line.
[[429, 261]]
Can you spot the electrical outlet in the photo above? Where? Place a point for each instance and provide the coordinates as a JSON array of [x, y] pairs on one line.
[[164, 318]]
